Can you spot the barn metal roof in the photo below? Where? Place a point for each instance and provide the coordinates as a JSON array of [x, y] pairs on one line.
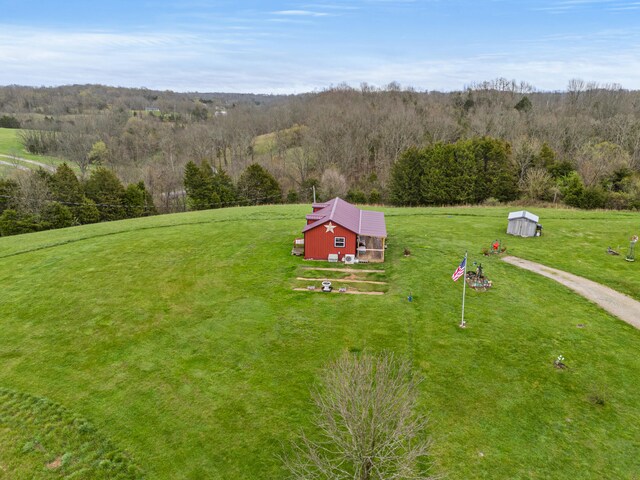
[[523, 214], [362, 222]]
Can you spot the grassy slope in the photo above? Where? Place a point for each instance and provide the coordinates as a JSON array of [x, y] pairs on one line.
[[180, 339], [40, 439], [10, 145]]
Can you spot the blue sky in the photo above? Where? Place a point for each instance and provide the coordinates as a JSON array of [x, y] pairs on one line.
[[278, 46]]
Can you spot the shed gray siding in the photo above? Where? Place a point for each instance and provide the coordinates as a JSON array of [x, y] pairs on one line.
[[522, 227]]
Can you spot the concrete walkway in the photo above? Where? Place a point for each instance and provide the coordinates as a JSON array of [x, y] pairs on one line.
[[616, 303]]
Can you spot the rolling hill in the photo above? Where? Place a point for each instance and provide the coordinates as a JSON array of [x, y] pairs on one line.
[[182, 342]]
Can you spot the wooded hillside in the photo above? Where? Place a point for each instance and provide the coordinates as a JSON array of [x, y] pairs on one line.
[[345, 140]]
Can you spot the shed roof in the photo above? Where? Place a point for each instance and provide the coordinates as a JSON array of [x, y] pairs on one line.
[[523, 214], [362, 222]]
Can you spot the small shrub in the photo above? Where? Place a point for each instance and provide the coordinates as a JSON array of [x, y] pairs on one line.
[[491, 202], [292, 196], [407, 252], [598, 396], [356, 196], [375, 197]]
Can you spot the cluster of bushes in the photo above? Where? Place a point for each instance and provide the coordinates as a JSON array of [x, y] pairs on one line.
[[40, 200], [207, 187], [356, 195], [468, 171], [618, 191], [600, 176], [9, 121]]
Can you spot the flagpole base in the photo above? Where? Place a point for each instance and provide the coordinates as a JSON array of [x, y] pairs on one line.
[[463, 325]]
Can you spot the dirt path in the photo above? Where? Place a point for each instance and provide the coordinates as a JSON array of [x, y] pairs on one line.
[[344, 280], [19, 167], [33, 162], [351, 270], [350, 292], [616, 303]]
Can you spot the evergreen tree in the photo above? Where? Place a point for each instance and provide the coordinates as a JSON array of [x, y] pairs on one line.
[[547, 157], [9, 192], [374, 197], [355, 195], [224, 187], [65, 186], [572, 189], [449, 174], [495, 174], [406, 177], [13, 222], [257, 186], [593, 197], [86, 212], [198, 183], [209, 191], [7, 121], [561, 169], [292, 196], [106, 190], [56, 215], [134, 200], [524, 105]]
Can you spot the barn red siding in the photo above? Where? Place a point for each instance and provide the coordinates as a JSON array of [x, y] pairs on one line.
[[318, 243]]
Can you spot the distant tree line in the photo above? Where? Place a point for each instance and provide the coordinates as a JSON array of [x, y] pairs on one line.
[[580, 146], [39, 200], [482, 169]]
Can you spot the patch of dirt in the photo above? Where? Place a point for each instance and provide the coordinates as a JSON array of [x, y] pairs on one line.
[[57, 463], [350, 270], [346, 280], [616, 303], [350, 292]]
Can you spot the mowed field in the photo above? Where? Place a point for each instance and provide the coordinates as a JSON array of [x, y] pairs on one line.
[[180, 339]]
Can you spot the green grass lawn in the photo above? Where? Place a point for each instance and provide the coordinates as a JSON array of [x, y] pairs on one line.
[[180, 339], [40, 439], [10, 145]]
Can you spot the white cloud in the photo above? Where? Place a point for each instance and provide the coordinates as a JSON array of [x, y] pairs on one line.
[[300, 13], [254, 61]]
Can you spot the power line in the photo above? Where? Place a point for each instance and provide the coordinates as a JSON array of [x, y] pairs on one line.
[[240, 201]]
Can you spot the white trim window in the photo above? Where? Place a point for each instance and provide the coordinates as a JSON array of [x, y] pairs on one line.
[[339, 242]]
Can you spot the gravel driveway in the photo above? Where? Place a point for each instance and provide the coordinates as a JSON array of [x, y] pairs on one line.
[[616, 303]]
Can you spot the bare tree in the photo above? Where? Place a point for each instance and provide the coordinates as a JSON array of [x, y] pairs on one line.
[[596, 161], [333, 183], [34, 191], [537, 184], [76, 146], [369, 428]]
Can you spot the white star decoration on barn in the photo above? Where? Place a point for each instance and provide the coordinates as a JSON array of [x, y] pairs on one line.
[[329, 227]]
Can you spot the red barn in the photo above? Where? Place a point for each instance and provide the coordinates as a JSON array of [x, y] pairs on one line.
[[339, 228]]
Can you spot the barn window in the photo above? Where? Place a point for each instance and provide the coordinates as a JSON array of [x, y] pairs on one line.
[[339, 242]]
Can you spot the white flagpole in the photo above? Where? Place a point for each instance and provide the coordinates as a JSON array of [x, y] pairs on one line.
[[464, 289]]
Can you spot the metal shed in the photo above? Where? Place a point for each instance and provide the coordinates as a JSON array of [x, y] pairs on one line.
[[523, 224]]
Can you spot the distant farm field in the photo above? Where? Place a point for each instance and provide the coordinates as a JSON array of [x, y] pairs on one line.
[[10, 145], [181, 340]]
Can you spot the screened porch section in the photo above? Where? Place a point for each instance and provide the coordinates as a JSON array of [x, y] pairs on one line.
[[371, 249]]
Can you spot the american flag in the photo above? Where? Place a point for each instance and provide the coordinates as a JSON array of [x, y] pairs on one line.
[[460, 270]]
